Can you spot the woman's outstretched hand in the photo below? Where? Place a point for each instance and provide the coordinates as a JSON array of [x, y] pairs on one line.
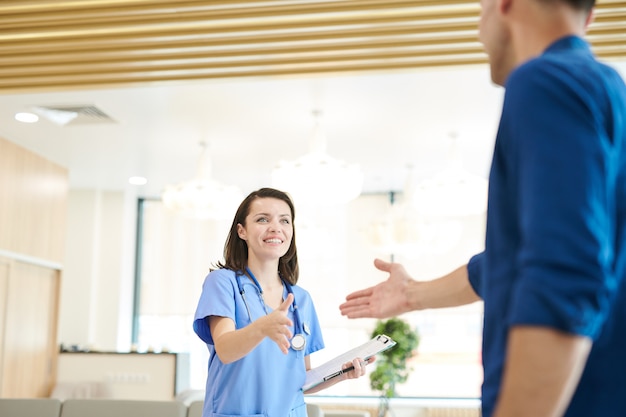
[[277, 325]]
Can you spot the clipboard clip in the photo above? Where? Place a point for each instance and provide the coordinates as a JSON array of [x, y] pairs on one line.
[[385, 339], [336, 374]]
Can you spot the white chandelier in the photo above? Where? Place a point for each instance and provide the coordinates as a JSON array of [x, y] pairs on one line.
[[402, 231], [405, 230], [452, 191], [430, 217], [317, 179], [202, 197]]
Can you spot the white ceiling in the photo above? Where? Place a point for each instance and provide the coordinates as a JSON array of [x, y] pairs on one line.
[[384, 121]]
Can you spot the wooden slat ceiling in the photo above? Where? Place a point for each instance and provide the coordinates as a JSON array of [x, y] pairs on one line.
[[64, 45]]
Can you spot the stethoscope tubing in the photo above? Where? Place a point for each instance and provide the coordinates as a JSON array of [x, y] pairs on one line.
[[297, 323]]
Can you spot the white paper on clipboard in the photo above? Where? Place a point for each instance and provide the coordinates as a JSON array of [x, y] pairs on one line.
[[332, 368]]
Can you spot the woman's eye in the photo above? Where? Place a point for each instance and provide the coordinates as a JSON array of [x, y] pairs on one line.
[[262, 220], [286, 221]]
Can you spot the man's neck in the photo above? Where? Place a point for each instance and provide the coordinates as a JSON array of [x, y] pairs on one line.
[[541, 25]]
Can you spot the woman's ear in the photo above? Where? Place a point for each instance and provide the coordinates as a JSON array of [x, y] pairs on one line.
[[241, 231]]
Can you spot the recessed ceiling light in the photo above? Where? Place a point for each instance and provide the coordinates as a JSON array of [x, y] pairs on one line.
[[137, 180], [26, 117]]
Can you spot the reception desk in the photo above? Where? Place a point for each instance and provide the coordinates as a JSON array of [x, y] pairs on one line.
[[140, 376]]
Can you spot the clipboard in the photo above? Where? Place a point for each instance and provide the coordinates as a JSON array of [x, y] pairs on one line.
[[332, 368]]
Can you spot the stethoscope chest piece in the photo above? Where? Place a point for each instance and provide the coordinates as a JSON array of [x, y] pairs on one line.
[[298, 342]]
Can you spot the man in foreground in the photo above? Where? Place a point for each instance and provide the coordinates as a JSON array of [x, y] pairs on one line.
[[552, 275]]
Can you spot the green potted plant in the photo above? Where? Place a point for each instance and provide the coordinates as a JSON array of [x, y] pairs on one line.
[[391, 367]]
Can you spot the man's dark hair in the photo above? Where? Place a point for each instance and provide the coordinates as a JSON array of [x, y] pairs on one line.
[[585, 5]]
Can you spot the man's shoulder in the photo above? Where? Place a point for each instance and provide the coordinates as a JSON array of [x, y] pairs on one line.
[[568, 60], [552, 73], [541, 67]]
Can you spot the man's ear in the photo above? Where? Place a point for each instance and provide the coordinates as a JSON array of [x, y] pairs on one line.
[[504, 6], [589, 19]]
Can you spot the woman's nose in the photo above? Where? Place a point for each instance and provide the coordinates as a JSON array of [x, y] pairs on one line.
[[275, 226]]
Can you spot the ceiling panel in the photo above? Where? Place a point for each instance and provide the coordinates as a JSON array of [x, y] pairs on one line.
[[61, 45]]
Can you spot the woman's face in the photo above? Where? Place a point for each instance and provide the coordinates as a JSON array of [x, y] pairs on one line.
[[268, 229]]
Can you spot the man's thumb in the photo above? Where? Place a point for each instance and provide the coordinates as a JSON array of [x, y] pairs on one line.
[[382, 265]]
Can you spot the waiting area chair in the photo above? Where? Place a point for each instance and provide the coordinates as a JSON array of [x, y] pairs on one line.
[[122, 408], [314, 410], [195, 409], [40, 407]]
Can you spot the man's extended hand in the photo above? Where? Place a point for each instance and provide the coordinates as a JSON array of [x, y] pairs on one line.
[[387, 299]]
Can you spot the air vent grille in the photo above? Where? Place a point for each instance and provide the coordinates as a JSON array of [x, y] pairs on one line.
[[65, 115]]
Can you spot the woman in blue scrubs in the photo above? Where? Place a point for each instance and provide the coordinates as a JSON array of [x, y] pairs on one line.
[[259, 326]]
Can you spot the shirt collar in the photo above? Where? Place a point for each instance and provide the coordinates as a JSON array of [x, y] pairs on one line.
[[570, 42]]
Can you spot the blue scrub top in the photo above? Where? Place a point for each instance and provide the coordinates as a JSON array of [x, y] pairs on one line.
[[265, 382]]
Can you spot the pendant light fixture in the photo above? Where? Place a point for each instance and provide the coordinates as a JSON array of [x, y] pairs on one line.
[[316, 178], [453, 191], [202, 197]]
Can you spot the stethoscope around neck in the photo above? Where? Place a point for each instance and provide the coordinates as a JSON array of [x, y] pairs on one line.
[[298, 341]]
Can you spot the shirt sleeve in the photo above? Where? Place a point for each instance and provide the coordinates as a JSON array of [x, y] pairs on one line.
[[561, 168], [217, 299], [474, 272]]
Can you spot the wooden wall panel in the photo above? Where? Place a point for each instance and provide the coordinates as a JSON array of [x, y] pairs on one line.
[[4, 296], [29, 353], [33, 194]]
